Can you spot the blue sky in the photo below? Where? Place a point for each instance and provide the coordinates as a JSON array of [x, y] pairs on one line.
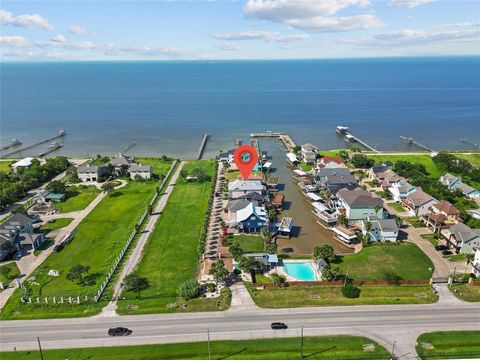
[[250, 29]]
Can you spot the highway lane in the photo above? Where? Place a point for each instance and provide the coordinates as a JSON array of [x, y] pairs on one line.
[[370, 321]]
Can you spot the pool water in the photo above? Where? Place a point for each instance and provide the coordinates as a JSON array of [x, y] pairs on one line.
[[301, 270]]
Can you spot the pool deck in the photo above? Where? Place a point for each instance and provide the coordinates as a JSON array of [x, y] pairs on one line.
[[281, 271]]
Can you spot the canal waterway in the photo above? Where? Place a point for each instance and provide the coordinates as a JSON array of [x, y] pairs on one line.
[[307, 233]]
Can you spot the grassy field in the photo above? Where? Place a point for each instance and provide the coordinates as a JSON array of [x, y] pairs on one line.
[[325, 347], [77, 198], [416, 222], [234, 175], [397, 206], [170, 256], [466, 292], [332, 295], [406, 260], [58, 224], [473, 158], [100, 237], [449, 345], [5, 165], [426, 160], [250, 243], [14, 272], [430, 237]]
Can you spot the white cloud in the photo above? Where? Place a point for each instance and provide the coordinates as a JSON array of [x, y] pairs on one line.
[[312, 15], [27, 20], [411, 37], [408, 3], [268, 36], [229, 47], [59, 39], [78, 30], [13, 41], [31, 55], [113, 49], [60, 42]]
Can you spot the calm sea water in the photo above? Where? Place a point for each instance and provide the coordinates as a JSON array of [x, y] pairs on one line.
[[165, 107]]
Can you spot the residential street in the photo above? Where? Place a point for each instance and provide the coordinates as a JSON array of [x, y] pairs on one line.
[[383, 323]]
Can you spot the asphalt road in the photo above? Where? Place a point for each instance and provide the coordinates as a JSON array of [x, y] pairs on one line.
[[386, 324]]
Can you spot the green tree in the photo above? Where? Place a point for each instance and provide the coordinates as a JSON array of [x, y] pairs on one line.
[[330, 273], [271, 215], [77, 272], [190, 289], [7, 247], [235, 250], [5, 271], [270, 248], [324, 252], [350, 291], [18, 209], [218, 271], [266, 234], [391, 277], [56, 186], [278, 280], [245, 263], [133, 282], [108, 187], [342, 219]]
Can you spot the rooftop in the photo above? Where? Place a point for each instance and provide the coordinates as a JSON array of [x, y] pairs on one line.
[[359, 198]]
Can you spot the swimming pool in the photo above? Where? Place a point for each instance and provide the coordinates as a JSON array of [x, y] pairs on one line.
[[300, 270]]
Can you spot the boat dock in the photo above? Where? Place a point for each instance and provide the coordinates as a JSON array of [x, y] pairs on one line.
[[470, 142], [13, 143], [61, 133], [411, 141], [51, 149], [129, 146], [285, 138], [202, 146], [349, 137]]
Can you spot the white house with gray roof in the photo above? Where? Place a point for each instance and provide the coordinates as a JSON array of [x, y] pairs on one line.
[[239, 188], [309, 153], [140, 171], [382, 230], [462, 238], [360, 204], [88, 172], [19, 232]]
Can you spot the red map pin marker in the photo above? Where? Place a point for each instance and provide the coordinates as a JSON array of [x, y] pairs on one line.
[[245, 158]]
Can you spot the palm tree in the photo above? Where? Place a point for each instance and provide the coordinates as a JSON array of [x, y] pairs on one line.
[[377, 209]]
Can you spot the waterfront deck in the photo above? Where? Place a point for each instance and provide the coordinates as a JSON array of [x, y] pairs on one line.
[[283, 137], [60, 134], [411, 141]]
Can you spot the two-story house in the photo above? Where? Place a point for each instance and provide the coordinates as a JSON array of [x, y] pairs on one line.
[[441, 215], [240, 188], [455, 183], [360, 204], [381, 230], [401, 189], [252, 218], [336, 179], [17, 233], [418, 202], [139, 171], [462, 238], [88, 173], [309, 153]]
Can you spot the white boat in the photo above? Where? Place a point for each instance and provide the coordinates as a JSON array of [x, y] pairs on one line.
[[342, 129]]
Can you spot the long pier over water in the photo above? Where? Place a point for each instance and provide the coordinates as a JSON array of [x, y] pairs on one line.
[[61, 133], [202, 146], [285, 138]]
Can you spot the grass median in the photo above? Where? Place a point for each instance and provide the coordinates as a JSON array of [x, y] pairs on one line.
[[322, 347], [449, 345]]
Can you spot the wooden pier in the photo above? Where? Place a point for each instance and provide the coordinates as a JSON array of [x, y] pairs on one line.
[[202, 146], [470, 142], [129, 146], [352, 138], [60, 134], [285, 138], [411, 141], [50, 150]]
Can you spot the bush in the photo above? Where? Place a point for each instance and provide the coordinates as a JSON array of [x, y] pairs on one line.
[[350, 291], [190, 289], [211, 287]]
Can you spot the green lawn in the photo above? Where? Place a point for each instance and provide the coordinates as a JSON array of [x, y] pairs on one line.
[[426, 160], [306, 167], [5, 165], [433, 238], [170, 256], [58, 224], [159, 166], [250, 243], [397, 206], [325, 347], [14, 272], [416, 222], [449, 345], [100, 237], [294, 296], [473, 158], [407, 260], [77, 198], [231, 176], [466, 292]]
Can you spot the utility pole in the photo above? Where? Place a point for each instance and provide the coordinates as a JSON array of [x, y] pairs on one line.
[[208, 339], [393, 349], [40, 348], [346, 277], [301, 348]]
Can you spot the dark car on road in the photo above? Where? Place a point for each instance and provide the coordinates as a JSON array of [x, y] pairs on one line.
[[447, 252], [279, 326], [119, 331], [441, 247]]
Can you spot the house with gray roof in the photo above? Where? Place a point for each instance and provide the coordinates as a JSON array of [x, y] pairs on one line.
[[450, 181], [336, 179], [239, 188], [252, 218], [19, 232], [401, 189], [309, 153], [88, 172], [138, 171], [455, 183], [359, 204], [462, 238], [418, 202], [381, 230]]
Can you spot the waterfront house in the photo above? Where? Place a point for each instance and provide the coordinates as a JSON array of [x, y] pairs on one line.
[[233, 206], [309, 153], [277, 201], [476, 263], [139, 171], [336, 179], [360, 204], [346, 234], [468, 191], [252, 218], [292, 158], [19, 232], [381, 230], [89, 172], [324, 214], [269, 260], [401, 189], [120, 160], [378, 168], [418, 202], [239, 188], [462, 238], [441, 215], [450, 181], [226, 156], [332, 162], [22, 164], [387, 178]]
